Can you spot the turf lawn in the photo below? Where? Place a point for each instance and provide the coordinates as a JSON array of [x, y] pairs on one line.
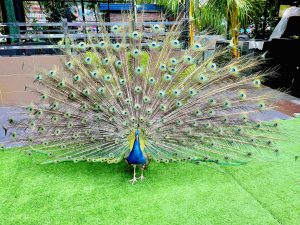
[[258, 193]]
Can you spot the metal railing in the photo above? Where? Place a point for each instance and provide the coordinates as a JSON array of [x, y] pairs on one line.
[[47, 35]]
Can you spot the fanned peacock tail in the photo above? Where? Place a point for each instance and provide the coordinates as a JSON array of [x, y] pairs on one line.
[[186, 107]]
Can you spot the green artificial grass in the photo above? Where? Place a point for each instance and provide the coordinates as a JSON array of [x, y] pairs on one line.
[[180, 193]]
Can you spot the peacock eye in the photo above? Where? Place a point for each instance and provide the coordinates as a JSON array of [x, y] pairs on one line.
[[211, 112], [69, 65], [138, 71], [256, 83], [212, 66], [115, 28], [162, 67], [161, 93], [242, 95], [135, 52], [175, 42], [107, 77], [135, 35], [112, 109], [38, 77], [81, 45], [52, 73], [151, 80], [137, 89], [122, 81], [76, 78], [163, 107], [119, 94], [173, 61], [197, 46], [149, 111], [156, 27], [192, 92], [225, 120], [105, 61], [176, 92], [137, 107], [101, 90], [168, 77], [178, 103]]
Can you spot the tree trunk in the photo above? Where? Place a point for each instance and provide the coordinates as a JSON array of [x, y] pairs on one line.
[[191, 21], [235, 28]]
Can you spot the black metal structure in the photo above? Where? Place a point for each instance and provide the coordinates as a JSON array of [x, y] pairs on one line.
[[283, 51]]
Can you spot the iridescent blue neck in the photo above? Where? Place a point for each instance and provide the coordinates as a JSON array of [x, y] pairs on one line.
[[136, 155]]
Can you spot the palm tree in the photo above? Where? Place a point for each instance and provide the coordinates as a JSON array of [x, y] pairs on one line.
[[222, 16], [229, 15]]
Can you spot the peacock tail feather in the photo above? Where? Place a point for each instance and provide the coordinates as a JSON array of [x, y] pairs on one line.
[[188, 107]]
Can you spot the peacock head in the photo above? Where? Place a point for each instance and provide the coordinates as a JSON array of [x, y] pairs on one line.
[[137, 133]]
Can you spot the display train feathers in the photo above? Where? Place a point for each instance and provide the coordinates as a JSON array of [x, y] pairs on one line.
[[120, 97]]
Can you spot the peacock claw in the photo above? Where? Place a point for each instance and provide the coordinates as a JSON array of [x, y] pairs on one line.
[[133, 180], [141, 177]]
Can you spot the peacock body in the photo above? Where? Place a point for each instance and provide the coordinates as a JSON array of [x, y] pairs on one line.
[[124, 98]]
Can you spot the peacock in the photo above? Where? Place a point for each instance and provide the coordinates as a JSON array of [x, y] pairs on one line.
[[127, 95]]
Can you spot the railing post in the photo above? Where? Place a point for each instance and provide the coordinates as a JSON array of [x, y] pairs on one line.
[[9, 17], [66, 35], [186, 24], [134, 14]]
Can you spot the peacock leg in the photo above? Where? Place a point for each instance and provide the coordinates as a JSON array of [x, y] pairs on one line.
[[142, 173], [134, 175]]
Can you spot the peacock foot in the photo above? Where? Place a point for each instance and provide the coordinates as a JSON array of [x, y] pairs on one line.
[[133, 180], [141, 177]]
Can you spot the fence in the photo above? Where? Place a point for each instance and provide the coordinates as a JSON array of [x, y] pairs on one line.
[[43, 36]]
